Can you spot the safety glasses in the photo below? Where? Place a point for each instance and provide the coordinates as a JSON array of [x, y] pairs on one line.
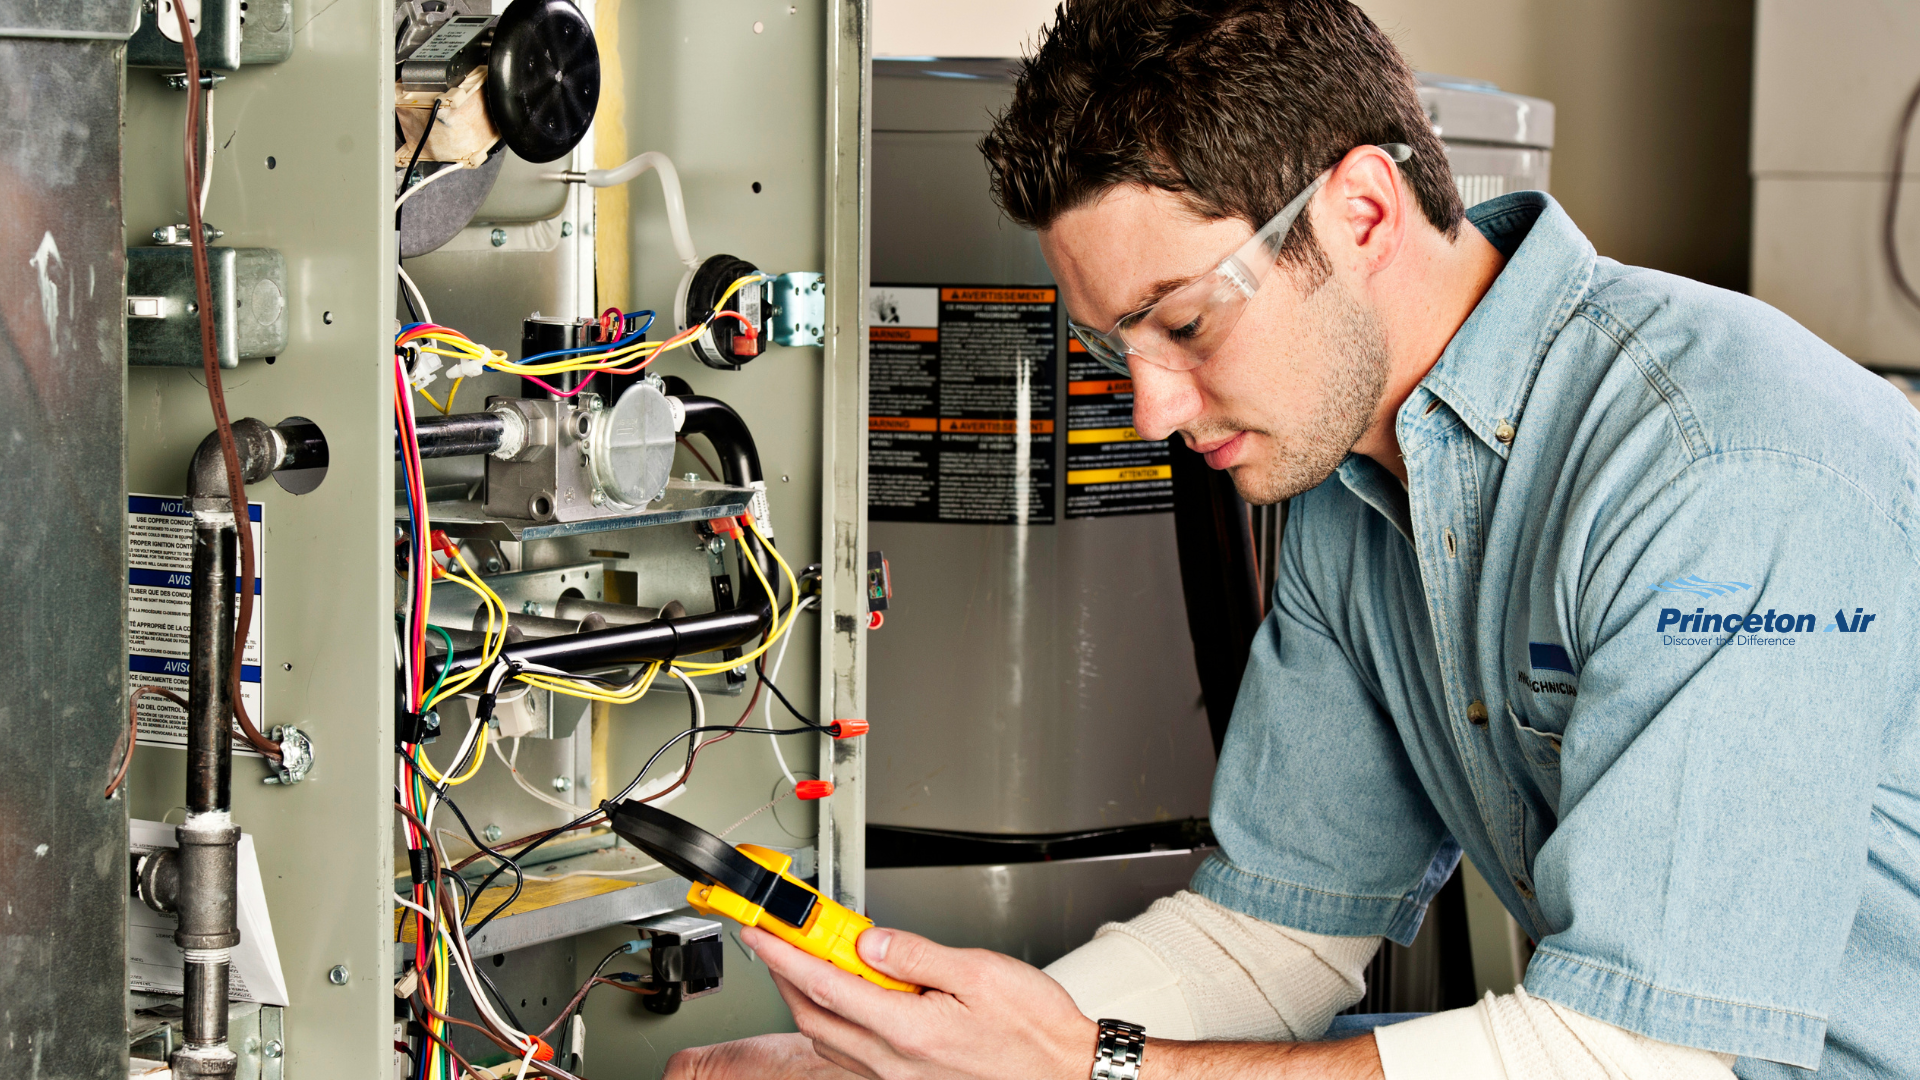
[[1180, 330]]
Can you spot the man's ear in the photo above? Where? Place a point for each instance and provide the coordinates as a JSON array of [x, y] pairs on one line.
[[1368, 217]]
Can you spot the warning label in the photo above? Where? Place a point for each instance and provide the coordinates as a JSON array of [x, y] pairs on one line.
[[159, 581], [1110, 469], [962, 404]]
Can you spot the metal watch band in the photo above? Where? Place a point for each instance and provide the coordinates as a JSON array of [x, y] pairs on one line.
[[1117, 1054]]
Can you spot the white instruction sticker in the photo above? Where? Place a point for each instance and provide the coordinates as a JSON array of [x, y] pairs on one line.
[[154, 961], [159, 584]]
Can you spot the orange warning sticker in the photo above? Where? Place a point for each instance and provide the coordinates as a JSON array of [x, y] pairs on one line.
[[997, 296], [998, 427], [902, 423], [1089, 387], [902, 333]]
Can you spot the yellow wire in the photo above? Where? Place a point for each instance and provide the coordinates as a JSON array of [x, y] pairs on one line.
[[491, 645], [455, 389], [780, 628], [432, 402]]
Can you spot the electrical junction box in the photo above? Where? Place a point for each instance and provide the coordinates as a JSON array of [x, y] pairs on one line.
[[227, 33], [249, 300]]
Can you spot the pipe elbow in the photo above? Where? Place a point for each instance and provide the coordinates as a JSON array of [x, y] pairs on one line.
[[261, 450]]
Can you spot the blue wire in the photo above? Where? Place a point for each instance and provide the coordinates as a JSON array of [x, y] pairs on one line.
[[636, 335]]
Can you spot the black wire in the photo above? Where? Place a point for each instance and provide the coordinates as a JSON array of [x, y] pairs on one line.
[[1888, 239], [519, 876], [624, 792], [406, 178], [760, 666], [480, 970]]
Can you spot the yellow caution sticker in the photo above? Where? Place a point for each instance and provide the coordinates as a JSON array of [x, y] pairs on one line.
[[1120, 476], [1103, 435]]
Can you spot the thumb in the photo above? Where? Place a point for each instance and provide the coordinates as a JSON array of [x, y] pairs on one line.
[[910, 957]]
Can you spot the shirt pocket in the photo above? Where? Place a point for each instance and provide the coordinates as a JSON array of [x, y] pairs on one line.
[[1540, 750]]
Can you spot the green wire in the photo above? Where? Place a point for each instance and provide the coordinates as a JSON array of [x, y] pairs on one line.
[[444, 668]]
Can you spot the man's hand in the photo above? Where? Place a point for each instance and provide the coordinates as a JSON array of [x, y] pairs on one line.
[[983, 1015], [763, 1057]]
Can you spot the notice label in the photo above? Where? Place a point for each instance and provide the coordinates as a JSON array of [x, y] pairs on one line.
[[962, 404], [159, 583], [1110, 469]]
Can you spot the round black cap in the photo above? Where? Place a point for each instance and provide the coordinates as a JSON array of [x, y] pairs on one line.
[[543, 78]]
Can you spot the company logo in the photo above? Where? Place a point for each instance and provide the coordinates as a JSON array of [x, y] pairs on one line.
[[1740, 627], [1701, 587]]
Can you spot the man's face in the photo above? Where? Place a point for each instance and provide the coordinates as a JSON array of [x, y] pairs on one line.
[[1281, 403]]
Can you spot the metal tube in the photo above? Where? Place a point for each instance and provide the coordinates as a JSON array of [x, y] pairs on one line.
[[210, 655], [208, 856], [459, 435], [574, 607]]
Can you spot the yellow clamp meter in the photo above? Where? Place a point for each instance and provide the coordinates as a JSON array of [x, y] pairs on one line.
[[750, 885]]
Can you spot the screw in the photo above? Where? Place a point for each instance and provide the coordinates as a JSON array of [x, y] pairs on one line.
[[716, 546], [566, 228], [338, 976], [252, 1045], [492, 833], [562, 783], [531, 607], [288, 667], [499, 238], [783, 478], [274, 1049], [691, 477], [494, 565]]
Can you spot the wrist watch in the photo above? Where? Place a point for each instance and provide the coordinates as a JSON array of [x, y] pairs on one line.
[[1117, 1054]]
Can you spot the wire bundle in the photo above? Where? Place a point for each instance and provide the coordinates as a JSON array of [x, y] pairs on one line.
[[441, 899], [624, 349]]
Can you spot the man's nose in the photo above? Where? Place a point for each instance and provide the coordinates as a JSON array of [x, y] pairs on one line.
[[1163, 400]]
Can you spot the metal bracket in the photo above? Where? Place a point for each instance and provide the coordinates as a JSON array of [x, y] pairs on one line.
[[799, 309]]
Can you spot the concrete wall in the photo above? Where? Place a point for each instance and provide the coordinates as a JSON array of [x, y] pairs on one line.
[[1652, 101]]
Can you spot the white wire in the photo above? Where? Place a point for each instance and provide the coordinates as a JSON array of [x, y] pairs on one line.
[[206, 157], [774, 677], [521, 780], [416, 189], [669, 187], [414, 291]]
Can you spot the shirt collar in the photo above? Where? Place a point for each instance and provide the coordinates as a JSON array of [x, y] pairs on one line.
[[1487, 370]]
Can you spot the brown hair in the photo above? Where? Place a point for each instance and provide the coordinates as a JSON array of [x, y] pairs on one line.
[[1235, 104]]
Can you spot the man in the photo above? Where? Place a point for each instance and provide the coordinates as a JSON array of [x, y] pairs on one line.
[[1604, 577]]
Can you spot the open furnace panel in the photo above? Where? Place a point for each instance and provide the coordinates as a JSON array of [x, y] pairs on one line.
[[538, 325]]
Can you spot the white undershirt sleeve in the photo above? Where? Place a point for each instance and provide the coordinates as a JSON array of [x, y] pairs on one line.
[[1203, 971], [1188, 968], [1521, 1037]]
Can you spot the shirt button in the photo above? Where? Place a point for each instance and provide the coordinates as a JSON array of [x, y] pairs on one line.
[[1526, 890], [1503, 431], [1477, 714]]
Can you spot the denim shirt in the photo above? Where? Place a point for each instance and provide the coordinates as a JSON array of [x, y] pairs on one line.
[[1637, 636]]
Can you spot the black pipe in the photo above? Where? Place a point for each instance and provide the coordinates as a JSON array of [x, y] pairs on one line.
[[208, 854], [665, 639], [459, 435]]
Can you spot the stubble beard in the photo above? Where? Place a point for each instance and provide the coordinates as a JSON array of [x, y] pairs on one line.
[[1352, 383]]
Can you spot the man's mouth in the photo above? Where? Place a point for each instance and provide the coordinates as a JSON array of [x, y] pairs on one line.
[[1221, 453]]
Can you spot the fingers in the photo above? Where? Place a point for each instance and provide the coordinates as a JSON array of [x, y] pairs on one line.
[[835, 1040], [912, 958], [841, 993]]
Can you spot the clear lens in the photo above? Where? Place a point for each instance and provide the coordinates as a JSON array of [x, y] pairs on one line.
[[1100, 348]]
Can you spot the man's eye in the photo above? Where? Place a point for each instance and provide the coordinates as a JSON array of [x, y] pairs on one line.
[[1187, 332]]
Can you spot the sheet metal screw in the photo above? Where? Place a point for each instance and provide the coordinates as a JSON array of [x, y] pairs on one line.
[[274, 1049], [338, 976], [566, 228], [492, 833], [562, 783], [499, 238]]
